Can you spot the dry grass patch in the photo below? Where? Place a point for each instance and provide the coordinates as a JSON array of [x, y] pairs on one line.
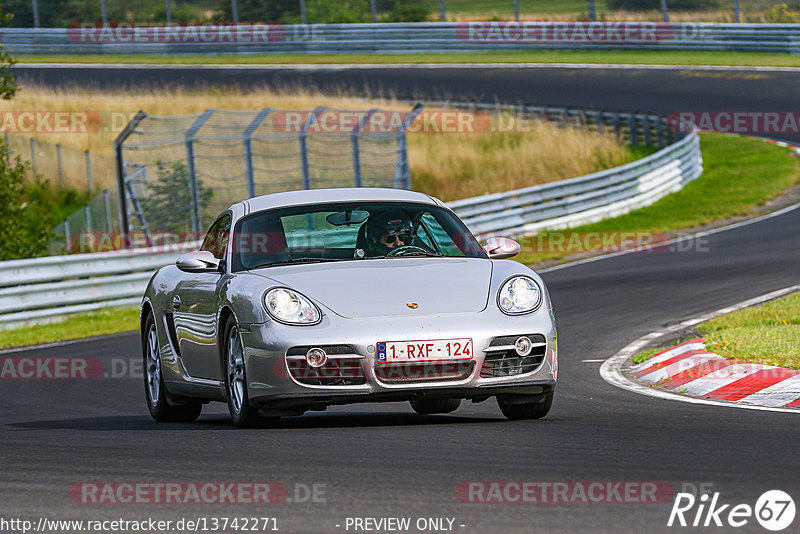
[[450, 166]]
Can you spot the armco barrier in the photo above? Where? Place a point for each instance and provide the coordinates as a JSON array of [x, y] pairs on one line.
[[587, 198], [406, 37], [43, 289]]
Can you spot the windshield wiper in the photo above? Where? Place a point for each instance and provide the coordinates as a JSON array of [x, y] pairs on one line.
[[294, 261], [409, 255]]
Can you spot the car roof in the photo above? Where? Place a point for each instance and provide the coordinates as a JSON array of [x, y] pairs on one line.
[[343, 194]]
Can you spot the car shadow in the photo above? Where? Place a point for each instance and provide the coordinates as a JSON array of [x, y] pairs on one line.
[[215, 421]]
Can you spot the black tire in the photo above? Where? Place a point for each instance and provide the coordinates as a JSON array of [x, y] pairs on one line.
[[181, 410], [432, 406], [528, 410], [243, 414]]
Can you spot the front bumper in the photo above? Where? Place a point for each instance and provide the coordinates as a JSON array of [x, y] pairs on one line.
[[271, 384]]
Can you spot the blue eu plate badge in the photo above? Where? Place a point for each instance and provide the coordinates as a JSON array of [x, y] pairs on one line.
[[381, 358]]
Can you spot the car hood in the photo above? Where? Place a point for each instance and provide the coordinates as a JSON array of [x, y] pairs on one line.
[[390, 287]]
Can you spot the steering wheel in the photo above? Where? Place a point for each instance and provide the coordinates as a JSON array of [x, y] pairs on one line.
[[406, 249]]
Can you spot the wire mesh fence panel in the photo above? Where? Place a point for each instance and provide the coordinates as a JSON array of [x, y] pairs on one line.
[[182, 171], [64, 166]]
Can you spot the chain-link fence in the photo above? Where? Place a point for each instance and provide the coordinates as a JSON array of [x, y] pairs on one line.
[[82, 170], [179, 172]]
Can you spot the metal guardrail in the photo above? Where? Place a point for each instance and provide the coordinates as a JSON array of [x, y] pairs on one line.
[[407, 37], [42, 289], [585, 199]]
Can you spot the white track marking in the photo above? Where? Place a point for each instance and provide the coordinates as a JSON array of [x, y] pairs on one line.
[[611, 370], [677, 239]]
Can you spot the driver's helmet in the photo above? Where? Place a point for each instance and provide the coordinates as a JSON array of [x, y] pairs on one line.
[[388, 230]]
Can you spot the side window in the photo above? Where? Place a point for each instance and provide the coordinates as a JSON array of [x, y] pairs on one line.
[[439, 234], [217, 237]]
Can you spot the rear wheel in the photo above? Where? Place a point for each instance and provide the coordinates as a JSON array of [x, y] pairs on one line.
[[517, 407], [432, 406], [155, 392], [244, 414]]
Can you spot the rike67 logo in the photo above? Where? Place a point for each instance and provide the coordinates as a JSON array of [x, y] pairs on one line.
[[774, 510]]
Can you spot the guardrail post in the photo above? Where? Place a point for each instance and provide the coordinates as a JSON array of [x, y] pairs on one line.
[[373, 11], [670, 133], [8, 148], [60, 168], [66, 235], [660, 133], [120, 170], [190, 167], [304, 145], [33, 157], [107, 205], [632, 126], [402, 173], [354, 146], [646, 129], [88, 214], [617, 126], [248, 150], [442, 12], [89, 171], [516, 10]]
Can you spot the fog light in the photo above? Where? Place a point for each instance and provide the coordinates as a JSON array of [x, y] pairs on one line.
[[316, 357], [523, 346]]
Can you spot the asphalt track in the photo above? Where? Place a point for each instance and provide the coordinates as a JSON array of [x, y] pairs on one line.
[[381, 460]]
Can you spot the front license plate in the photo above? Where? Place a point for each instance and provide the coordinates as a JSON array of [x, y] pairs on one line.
[[427, 350]]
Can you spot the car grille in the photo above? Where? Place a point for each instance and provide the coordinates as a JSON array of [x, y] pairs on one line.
[[502, 360], [409, 373], [342, 368]]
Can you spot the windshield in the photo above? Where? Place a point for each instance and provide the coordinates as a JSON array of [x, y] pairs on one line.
[[350, 232]]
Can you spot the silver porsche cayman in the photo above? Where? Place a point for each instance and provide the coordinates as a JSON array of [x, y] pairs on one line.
[[301, 300]]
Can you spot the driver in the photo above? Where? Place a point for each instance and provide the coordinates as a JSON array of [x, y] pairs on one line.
[[387, 231]]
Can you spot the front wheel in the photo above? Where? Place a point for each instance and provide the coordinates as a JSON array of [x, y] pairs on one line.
[[244, 414], [155, 392], [515, 407], [432, 406]]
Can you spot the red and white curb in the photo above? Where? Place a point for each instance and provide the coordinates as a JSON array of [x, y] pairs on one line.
[[616, 370], [690, 369]]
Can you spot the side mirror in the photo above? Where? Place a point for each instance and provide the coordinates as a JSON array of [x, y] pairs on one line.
[[199, 261], [501, 248]]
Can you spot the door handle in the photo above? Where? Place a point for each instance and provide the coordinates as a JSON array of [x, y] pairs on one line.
[[176, 303]]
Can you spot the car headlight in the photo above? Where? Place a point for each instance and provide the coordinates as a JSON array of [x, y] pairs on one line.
[[287, 306], [519, 294]]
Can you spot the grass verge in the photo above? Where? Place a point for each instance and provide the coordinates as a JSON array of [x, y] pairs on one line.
[[96, 323], [768, 334], [740, 175], [631, 57]]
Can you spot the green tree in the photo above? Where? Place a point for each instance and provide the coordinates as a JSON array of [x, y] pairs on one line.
[[259, 10], [24, 232], [7, 86], [168, 207], [677, 5]]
